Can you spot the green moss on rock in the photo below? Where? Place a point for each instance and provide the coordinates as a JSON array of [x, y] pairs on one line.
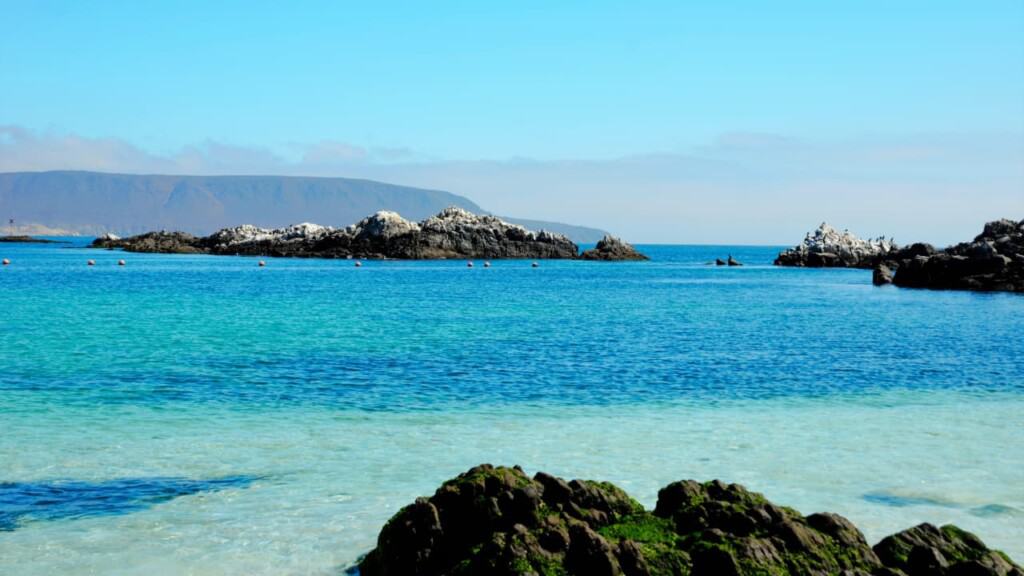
[[498, 521]]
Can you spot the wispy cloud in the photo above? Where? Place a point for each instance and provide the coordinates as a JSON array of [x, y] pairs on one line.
[[753, 188]]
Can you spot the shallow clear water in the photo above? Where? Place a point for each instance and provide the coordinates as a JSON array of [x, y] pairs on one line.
[[201, 415]]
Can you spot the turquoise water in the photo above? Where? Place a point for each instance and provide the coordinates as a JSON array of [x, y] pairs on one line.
[[202, 415]]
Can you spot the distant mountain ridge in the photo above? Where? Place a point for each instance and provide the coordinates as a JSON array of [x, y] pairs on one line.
[[94, 203]]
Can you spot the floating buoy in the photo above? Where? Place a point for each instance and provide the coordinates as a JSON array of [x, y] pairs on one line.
[[535, 265], [487, 264], [91, 262], [262, 263], [120, 262], [6, 262], [358, 263], [469, 264]]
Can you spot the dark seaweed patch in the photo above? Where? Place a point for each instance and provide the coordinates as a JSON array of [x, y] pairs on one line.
[[23, 502]]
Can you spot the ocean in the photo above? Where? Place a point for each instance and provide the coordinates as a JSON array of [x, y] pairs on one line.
[[202, 415]]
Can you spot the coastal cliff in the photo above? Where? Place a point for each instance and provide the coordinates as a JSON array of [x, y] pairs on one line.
[[499, 521], [453, 233]]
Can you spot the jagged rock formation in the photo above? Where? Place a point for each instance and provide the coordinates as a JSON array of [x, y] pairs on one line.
[[453, 233], [993, 261], [612, 248], [826, 247], [499, 521]]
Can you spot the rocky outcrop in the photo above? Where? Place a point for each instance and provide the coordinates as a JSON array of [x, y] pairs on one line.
[[993, 261], [924, 550], [27, 240], [499, 521], [612, 248], [159, 242], [826, 247], [453, 233]]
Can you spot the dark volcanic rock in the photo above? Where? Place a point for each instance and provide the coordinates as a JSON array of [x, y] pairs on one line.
[[993, 261], [161, 242], [453, 233], [826, 247], [611, 248], [498, 521], [733, 262]]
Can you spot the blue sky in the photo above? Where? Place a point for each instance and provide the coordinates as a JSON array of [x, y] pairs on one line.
[[489, 100]]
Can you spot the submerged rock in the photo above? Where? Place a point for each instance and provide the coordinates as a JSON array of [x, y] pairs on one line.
[[611, 248], [499, 521], [993, 261], [453, 233], [826, 247]]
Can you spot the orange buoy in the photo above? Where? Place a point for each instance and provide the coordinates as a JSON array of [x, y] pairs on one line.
[[120, 262], [262, 263], [487, 264], [469, 264], [91, 262], [6, 262], [535, 265], [358, 263]]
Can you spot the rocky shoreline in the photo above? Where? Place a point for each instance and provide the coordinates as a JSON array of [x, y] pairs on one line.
[[453, 233], [993, 261], [499, 521]]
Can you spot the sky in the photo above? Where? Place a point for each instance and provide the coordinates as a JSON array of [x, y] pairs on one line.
[[727, 122]]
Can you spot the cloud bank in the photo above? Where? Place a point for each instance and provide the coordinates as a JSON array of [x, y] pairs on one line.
[[742, 188]]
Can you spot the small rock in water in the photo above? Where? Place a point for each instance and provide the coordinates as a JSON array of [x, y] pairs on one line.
[[734, 262], [611, 248], [719, 262], [881, 275]]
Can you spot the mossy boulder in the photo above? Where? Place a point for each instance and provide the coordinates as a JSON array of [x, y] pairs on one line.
[[925, 550], [499, 521]]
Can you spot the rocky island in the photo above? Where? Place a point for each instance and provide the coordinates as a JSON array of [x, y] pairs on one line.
[[612, 248], [499, 521], [453, 233], [28, 240], [826, 247]]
